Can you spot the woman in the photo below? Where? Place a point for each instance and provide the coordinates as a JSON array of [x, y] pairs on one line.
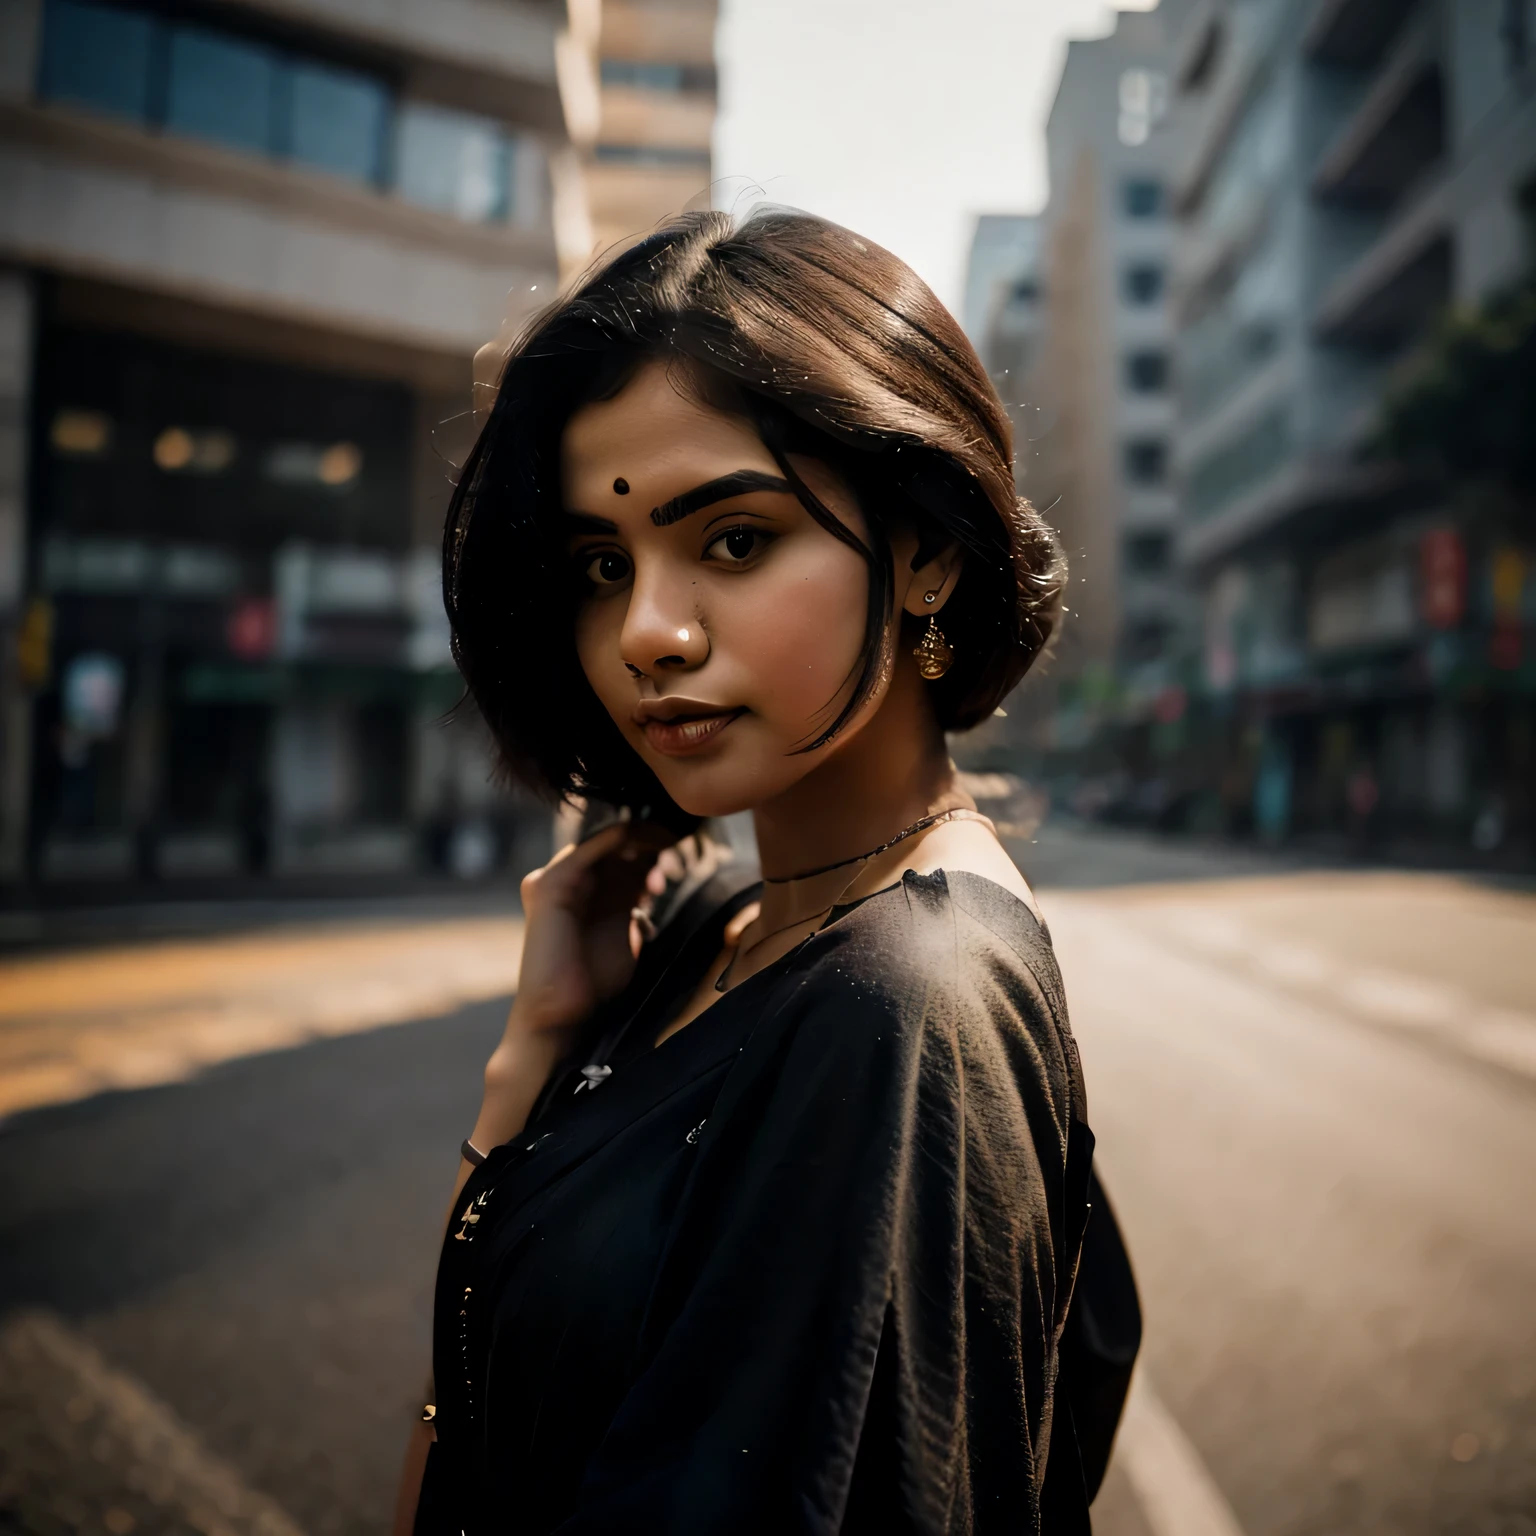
[[769, 1224]]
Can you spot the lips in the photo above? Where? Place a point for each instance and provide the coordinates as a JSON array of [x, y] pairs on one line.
[[683, 735]]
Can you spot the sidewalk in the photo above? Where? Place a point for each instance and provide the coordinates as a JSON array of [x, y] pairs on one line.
[[75, 1023]]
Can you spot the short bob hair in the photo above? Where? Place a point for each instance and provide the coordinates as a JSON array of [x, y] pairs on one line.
[[835, 350]]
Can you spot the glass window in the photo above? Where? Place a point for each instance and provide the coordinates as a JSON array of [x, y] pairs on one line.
[[1142, 282], [336, 121], [1142, 198], [1240, 464], [94, 56], [452, 162], [1146, 373], [651, 154], [222, 88], [1148, 554], [1146, 461], [645, 76]]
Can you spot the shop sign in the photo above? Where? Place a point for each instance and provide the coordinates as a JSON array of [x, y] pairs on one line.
[[1442, 578], [252, 628]]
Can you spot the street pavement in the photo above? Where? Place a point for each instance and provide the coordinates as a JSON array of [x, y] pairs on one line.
[[1314, 1092]]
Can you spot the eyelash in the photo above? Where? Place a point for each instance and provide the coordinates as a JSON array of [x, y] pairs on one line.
[[588, 558], [761, 535]]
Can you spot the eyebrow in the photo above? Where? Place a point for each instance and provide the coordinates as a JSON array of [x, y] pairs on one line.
[[706, 495]]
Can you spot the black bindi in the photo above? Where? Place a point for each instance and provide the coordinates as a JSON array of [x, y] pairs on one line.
[[621, 486]]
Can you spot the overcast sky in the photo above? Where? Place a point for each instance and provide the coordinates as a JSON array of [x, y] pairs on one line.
[[902, 119]]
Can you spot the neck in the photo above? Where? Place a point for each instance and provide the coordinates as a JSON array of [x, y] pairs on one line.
[[893, 771]]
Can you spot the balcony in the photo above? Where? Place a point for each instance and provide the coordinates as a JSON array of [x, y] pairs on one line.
[[675, 120], [1395, 287], [90, 197], [1394, 136]]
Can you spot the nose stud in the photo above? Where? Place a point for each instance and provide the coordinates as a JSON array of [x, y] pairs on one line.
[[683, 635]]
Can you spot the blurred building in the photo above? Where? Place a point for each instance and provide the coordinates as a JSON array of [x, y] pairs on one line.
[[646, 147], [248, 249], [1100, 383], [1352, 168]]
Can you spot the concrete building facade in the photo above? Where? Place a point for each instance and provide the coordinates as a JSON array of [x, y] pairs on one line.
[[248, 250], [1352, 168], [1101, 385]]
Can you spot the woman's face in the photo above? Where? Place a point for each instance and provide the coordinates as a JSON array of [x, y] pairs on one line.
[[722, 625]]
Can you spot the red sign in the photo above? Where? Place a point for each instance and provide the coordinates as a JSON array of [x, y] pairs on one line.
[[252, 628], [1442, 578]]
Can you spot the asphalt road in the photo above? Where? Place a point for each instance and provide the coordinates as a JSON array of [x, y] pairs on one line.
[[1315, 1114]]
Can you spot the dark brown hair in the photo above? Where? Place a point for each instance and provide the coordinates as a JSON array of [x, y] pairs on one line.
[[836, 350]]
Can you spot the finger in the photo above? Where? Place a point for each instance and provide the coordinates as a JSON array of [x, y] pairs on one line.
[[591, 850]]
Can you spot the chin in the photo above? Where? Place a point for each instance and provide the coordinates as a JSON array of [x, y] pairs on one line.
[[721, 787]]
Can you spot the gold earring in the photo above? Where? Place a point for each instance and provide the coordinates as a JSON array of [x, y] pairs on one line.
[[934, 653]]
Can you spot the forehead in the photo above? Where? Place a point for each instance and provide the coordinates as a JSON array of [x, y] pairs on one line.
[[656, 436]]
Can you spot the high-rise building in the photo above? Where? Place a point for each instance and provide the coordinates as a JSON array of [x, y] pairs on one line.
[[1002, 315], [639, 81], [1102, 381], [1353, 167], [247, 252]]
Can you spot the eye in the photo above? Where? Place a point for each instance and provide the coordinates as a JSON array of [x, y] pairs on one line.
[[736, 546], [607, 568]]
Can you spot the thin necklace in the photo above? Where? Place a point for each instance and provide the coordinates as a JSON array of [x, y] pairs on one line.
[[922, 824], [959, 813]]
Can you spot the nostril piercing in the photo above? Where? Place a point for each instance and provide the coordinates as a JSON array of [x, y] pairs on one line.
[[621, 486]]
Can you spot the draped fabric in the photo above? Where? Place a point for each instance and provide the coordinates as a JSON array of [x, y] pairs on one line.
[[803, 1267]]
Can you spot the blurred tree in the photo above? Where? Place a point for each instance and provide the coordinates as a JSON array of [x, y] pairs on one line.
[[1466, 403]]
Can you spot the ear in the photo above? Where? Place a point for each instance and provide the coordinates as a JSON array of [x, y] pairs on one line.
[[931, 583]]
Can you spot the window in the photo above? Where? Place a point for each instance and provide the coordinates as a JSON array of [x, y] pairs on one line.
[[1146, 373], [651, 154], [1142, 198], [1240, 464], [644, 75], [1148, 554], [1146, 461], [1143, 104], [453, 162], [1146, 640], [94, 56], [222, 88], [261, 99], [336, 121], [1142, 282]]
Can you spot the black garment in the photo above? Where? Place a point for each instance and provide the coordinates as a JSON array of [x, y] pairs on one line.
[[802, 1267]]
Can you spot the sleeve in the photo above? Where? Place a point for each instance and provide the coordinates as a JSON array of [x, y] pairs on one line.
[[854, 1328]]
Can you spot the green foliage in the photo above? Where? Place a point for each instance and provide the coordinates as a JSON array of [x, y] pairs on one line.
[[1466, 404]]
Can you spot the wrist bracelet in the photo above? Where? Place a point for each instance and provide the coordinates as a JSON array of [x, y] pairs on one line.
[[471, 1153]]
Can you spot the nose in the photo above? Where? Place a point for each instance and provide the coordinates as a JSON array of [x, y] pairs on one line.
[[662, 630]]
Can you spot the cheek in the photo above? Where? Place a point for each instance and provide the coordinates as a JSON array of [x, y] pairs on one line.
[[796, 633], [598, 630]]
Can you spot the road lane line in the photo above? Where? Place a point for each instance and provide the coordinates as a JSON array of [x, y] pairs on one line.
[[98, 1436], [1504, 1037], [1177, 1494]]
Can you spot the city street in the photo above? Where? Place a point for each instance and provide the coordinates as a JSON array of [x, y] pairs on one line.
[[1314, 1092]]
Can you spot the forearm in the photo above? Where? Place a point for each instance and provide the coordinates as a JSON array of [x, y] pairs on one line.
[[515, 1075]]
